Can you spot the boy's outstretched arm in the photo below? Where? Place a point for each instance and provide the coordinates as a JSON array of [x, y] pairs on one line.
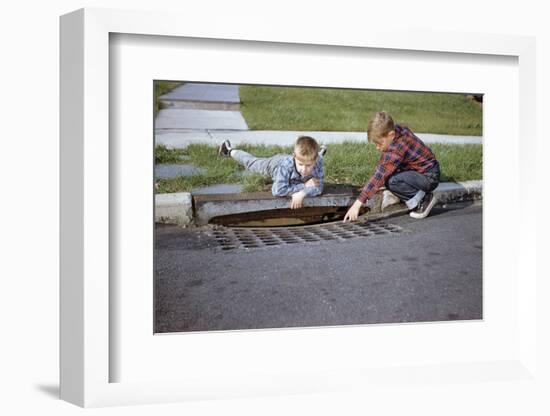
[[353, 212], [313, 187], [386, 166], [388, 163], [297, 200]]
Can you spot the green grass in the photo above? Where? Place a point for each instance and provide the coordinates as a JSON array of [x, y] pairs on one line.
[[353, 163], [162, 87], [349, 163], [219, 170], [324, 109]]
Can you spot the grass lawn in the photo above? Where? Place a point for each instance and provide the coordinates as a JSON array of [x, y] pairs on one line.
[[325, 109], [350, 163]]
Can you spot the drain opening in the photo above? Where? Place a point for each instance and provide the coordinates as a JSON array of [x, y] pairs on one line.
[[284, 217], [231, 238]]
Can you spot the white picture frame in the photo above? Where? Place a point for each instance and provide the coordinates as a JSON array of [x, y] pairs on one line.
[[86, 356]]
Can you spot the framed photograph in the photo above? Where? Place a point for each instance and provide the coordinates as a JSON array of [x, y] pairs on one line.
[[268, 174], [113, 347]]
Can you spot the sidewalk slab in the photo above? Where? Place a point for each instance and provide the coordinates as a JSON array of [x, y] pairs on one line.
[[449, 139], [327, 137], [182, 138], [222, 93], [176, 118], [169, 171]]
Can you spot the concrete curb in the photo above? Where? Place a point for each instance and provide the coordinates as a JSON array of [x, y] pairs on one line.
[[177, 208], [208, 207], [446, 192]]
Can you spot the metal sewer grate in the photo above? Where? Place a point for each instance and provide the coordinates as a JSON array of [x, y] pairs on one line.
[[230, 238]]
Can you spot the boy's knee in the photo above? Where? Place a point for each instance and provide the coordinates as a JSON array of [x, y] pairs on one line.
[[392, 182]]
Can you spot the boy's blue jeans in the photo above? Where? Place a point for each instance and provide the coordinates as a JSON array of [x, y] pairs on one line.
[[411, 186], [263, 165]]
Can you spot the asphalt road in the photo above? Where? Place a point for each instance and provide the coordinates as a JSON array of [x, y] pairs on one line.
[[430, 271]]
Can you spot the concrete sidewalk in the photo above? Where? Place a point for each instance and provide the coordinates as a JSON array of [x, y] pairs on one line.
[[200, 93], [171, 119], [210, 113], [200, 107], [180, 139]]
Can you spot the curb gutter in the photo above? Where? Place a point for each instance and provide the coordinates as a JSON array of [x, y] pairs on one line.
[[177, 208]]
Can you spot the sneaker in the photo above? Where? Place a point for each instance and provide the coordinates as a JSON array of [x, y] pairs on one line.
[[225, 149], [425, 206], [323, 150], [388, 199]]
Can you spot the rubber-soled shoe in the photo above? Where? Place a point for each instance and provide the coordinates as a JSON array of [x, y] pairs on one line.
[[225, 149], [423, 209], [323, 150]]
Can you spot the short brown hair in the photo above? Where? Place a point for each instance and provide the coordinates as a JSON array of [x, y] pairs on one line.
[[306, 148], [379, 126]]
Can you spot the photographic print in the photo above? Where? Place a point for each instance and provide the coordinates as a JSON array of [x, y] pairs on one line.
[[287, 206]]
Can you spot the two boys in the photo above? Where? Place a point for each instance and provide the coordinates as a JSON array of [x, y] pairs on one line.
[[407, 168]]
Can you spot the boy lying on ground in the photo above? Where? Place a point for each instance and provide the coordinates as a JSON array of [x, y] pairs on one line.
[[299, 175]]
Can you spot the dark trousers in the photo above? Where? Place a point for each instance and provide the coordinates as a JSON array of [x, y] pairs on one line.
[[407, 184]]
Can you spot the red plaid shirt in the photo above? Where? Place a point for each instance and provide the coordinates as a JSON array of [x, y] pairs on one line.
[[405, 152]]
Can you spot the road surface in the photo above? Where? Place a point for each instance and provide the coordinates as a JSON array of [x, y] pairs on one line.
[[431, 270]]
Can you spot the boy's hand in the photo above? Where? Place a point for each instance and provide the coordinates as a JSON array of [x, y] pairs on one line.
[[353, 212], [297, 200], [313, 182]]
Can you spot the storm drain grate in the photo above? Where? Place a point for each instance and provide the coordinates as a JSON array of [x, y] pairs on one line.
[[230, 238]]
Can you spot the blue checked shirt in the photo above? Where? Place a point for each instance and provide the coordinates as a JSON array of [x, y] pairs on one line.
[[287, 180]]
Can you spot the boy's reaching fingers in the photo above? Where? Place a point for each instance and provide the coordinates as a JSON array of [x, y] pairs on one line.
[[352, 214], [295, 204]]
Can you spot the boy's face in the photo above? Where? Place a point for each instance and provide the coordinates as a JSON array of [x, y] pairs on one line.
[[383, 142], [304, 166]]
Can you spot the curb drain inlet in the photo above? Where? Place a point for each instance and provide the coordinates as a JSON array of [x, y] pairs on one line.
[[231, 238]]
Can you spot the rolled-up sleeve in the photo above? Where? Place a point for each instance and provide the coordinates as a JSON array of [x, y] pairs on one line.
[[281, 182]]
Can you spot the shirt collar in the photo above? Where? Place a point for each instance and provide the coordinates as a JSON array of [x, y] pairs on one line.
[[399, 131]]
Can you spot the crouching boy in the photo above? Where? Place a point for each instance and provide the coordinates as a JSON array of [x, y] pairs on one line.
[[407, 168], [298, 176]]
